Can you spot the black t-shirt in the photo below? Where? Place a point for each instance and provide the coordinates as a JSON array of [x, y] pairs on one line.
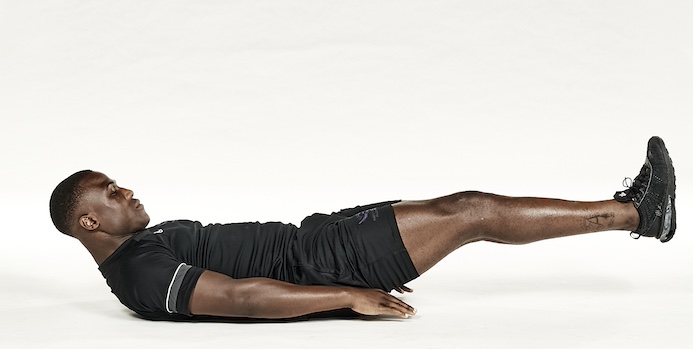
[[154, 273]]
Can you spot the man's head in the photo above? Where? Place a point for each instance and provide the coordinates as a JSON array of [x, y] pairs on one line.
[[89, 201]]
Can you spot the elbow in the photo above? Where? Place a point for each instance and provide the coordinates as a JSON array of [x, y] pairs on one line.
[[248, 302], [243, 303], [218, 295]]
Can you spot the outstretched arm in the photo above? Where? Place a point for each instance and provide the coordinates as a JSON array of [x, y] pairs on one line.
[[219, 295]]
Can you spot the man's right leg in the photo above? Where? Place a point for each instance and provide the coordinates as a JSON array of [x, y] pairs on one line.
[[432, 229]]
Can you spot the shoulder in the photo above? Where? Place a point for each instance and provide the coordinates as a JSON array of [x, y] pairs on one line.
[[180, 224], [140, 275], [152, 283]]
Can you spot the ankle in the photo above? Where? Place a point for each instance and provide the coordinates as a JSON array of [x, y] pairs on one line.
[[630, 217]]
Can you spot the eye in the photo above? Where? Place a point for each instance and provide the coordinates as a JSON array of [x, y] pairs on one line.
[[114, 190]]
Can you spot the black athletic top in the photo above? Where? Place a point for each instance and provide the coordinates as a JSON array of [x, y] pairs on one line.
[[154, 272]]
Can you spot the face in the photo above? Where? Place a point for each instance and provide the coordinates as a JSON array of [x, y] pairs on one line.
[[106, 207]]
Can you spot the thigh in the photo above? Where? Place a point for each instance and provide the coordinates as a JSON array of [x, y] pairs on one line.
[[432, 229]]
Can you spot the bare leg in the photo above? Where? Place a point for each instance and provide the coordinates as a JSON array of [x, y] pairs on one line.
[[432, 229]]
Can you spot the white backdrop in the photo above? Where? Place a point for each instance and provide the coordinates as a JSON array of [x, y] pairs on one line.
[[271, 110]]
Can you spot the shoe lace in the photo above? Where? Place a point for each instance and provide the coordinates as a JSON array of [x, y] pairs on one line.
[[635, 190], [635, 187]]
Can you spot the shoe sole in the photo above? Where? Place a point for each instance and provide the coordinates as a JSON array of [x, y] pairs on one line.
[[668, 221]]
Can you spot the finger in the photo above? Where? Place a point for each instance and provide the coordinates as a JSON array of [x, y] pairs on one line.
[[402, 289], [400, 306], [394, 299], [406, 289], [406, 308], [394, 310]]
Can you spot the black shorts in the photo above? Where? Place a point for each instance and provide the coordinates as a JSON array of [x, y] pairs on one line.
[[359, 247]]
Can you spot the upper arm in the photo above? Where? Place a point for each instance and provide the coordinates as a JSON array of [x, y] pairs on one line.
[[213, 295]]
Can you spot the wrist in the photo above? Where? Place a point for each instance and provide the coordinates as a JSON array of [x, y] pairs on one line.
[[348, 296]]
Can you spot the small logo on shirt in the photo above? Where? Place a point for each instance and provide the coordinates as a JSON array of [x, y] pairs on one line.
[[158, 231], [364, 214]]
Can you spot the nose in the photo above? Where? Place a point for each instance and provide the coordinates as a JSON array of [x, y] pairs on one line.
[[128, 193]]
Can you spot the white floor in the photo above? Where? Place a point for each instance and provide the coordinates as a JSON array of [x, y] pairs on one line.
[[584, 292], [258, 110]]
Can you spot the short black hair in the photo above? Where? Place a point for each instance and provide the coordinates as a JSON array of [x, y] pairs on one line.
[[64, 201]]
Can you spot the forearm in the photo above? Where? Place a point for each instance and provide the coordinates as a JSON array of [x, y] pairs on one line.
[[267, 298]]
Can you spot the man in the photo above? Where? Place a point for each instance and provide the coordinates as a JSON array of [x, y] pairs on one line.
[[349, 259]]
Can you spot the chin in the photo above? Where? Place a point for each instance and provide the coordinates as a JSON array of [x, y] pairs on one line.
[[141, 223], [145, 223]]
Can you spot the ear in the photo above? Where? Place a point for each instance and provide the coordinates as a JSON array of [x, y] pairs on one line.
[[88, 222]]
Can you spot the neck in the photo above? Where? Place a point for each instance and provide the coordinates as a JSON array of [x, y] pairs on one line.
[[101, 245]]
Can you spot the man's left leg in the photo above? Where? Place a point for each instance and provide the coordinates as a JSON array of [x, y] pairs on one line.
[[432, 229]]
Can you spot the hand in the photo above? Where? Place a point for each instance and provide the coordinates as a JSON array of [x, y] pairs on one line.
[[378, 302], [402, 289]]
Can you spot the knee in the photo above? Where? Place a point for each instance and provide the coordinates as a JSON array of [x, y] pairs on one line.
[[471, 213], [469, 205]]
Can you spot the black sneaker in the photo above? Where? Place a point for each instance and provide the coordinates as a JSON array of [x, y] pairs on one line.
[[653, 193]]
